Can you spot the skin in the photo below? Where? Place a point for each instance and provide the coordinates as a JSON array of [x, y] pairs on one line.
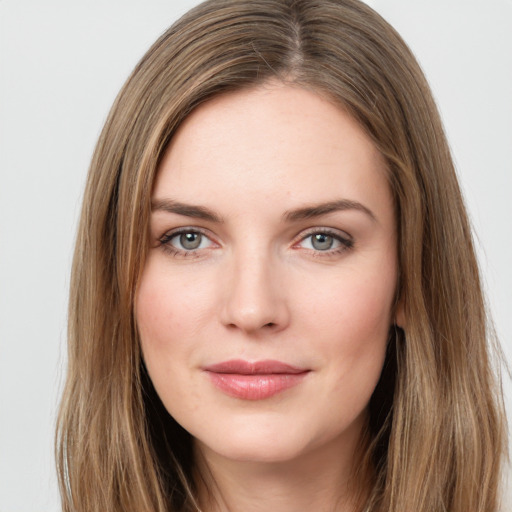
[[258, 287]]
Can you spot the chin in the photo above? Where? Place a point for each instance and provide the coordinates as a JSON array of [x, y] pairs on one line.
[[261, 442], [265, 451], [279, 438]]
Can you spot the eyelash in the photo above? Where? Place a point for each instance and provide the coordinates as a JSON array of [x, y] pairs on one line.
[[346, 242], [165, 242]]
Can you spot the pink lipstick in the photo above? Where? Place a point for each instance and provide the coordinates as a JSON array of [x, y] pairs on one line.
[[254, 381]]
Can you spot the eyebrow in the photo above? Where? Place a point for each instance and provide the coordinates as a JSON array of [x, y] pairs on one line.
[[188, 210], [307, 212], [318, 210]]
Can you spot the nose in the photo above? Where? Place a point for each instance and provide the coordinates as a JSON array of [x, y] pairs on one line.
[[254, 296]]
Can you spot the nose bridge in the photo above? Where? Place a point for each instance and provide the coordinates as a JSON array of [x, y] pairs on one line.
[[253, 296]]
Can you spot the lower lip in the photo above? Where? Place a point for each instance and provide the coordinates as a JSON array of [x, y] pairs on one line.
[[255, 387]]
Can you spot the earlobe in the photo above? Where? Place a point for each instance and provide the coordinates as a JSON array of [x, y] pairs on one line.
[[400, 319]]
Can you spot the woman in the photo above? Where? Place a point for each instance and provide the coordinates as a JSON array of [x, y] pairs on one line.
[[275, 301]]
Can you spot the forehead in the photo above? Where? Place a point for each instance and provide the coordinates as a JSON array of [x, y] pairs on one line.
[[276, 142]]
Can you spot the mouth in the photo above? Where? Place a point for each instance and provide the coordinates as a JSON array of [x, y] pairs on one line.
[[254, 381]]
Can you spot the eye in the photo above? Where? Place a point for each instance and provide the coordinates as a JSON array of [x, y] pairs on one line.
[[188, 241], [185, 241], [325, 241]]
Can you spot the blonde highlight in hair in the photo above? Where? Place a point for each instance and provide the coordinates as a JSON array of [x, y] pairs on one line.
[[436, 436]]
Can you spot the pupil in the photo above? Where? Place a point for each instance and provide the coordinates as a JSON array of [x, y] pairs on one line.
[[322, 242], [190, 240]]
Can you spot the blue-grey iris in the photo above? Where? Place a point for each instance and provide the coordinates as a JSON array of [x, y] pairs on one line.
[[190, 240], [322, 242]]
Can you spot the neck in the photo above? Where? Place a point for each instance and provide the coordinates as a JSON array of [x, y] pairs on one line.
[[322, 480]]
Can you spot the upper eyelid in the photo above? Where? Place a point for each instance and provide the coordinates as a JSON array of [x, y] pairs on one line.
[[186, 229], [337, 233]]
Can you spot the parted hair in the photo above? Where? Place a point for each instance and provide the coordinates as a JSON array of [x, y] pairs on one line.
[[436, 430]]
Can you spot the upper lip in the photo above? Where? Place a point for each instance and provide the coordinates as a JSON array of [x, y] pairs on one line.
[[241, 367]]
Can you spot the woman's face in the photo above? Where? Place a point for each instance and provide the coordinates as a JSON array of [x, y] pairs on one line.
[[266, 300]]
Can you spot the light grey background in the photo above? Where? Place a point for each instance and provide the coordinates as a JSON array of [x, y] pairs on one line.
[[61, 65]]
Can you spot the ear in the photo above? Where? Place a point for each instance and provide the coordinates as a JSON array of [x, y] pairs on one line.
[[400, 319]]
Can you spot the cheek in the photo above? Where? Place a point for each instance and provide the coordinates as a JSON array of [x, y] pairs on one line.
[[362, 332], [366, 312], [159, 317], [167, 307], [352, 320], [154, 313], [355, 306], [172, 312], [164, 324]]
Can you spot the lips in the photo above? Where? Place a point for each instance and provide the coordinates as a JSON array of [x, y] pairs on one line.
[[254, 381]]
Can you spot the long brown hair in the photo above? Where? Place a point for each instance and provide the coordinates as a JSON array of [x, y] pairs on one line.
[[436, 429]]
